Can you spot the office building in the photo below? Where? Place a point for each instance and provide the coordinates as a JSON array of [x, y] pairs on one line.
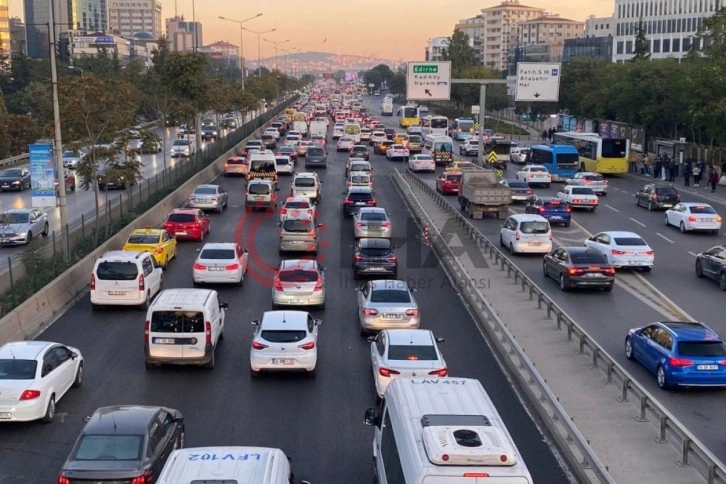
[[36, 25], [670, 26], [599, 26], [5, 43], [90, 15], [434, 47], [591, 47], [130, 18], [183, 35], [90, 44], [17, 36]]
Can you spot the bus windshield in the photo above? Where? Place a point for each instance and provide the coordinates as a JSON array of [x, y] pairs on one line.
[[613, 148], [465, 124], [409, 112], [440, 123], [567, 159]]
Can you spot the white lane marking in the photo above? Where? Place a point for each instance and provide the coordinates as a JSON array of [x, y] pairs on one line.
[[616, 188], [637, 222], [611, 208], [664, 237], [693, 254]]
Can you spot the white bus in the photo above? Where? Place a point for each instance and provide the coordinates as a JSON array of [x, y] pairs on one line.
[[439, 125]]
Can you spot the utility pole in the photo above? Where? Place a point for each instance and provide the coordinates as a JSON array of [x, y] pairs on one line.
[[58, 144]]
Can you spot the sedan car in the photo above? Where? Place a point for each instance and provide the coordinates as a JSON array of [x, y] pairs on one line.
[[287, 151], [318, 140], [188, 223], [220, 263], [210, 133], [299, 282], [623, 249], [575, 267], [357, 197], [418, 163], [34, 376], [14, 179], [128, 443], [360, 151], [302, 148], [374, 257], [553, 209], [387, 304], [448, 183], [71, 159], [405, 353], [692, 216], [712, 264], [679, 353], [397, 152], [208, 197], [285, 341], [596, 181], [390, 133], [235, 165], [18, 226], [371, 222], [535, 175], [469, 147], [377, 137], [656, 196], [521, 192], [382, 147], [158, 242], [345, 143]]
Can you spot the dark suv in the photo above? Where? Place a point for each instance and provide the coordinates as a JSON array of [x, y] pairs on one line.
[[357, 197], [374, 257], [654, 196], [316, 157]]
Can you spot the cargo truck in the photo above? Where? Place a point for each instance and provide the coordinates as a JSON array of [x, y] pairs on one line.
[[480, 193]]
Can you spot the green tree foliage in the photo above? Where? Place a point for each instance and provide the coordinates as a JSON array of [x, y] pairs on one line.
[[468, 94], [641, 47], [461, 55], [378, 75]]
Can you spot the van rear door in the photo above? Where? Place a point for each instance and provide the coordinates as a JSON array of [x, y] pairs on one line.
[[477, 476], [176, 334]]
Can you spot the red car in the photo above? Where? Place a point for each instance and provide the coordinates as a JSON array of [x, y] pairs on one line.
[[448, 183], [70, 182], [188, 223]]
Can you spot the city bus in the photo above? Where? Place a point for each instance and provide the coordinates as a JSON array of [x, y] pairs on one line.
[[462, 129], [408, 116], [439, 125], [562, 161], [597, 154]]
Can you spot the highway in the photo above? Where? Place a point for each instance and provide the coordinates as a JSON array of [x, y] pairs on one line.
[[317, 422]]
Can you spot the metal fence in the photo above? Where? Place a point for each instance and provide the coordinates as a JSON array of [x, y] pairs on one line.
[[669, 429], [46, 258]]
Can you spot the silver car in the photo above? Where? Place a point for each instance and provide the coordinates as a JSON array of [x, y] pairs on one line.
[[299, 282], [71, 159], [181, 147], [18, 226], [371, 222], [208, 197], [596, 181], [387, 304]]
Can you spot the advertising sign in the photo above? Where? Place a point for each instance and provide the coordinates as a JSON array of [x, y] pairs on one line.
[[351, 76], [42, 175]]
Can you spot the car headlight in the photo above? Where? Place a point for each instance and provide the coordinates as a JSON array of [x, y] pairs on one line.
[[16, 182]]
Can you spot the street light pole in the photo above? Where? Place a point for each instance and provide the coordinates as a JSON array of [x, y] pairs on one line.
[[276, 44], [259, 56], [241, 43], [58, 148]]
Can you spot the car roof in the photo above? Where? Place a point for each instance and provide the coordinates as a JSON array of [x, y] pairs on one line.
[[122, 255], [360, 190], [259, 181], [272, 320], [302, 264], [691, 331], [371, 243], [24, 350], [206, 185], [528, 217], [219, 245], [193, 211], [621, 233], [550, 200], [581, 250], [536, 166], [413, 337], [515, 181], [122, 419], [389, 285], [587, 173]]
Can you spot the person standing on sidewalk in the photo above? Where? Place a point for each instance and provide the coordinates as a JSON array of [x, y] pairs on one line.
[[687, 170], [713, 179], [697, 173], [672, 170]]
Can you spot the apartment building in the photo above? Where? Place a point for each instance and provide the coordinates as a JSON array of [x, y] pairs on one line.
[[128, 18], [183, 35], [434, 47], [599, 26], [500, 31]]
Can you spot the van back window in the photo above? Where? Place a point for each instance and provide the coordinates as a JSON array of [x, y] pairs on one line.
[[258, 189], [177, 322], [116, 271]]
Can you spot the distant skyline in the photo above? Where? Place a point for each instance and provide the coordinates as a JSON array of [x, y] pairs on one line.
[[369, 28]]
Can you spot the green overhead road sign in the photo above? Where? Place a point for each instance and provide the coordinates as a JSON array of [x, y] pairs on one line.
[[428, 81], [425, 69]]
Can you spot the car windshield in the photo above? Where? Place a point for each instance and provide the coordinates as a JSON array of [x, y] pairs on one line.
[[205, 191], [360, 167], [117, 271], [180, 142], [143, 239], [702, 209], [12, 173], [453, 178], [109, 447], [15, 369], [362, 179], [359, 149], [69, 154], [177, 322], [534, 227], [588, 258], [538, 169], [701, 348], [412, 352], [414, 139], [298, 275], [218, 254], [390, 296], [14, 218], [297, 225], [283, 336], [373, 216], [182, 217], [582, 191], [629, 241], [258, 189]]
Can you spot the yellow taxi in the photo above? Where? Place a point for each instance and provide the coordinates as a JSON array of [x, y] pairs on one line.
[[400, 139], [158, 242], [456, 166]]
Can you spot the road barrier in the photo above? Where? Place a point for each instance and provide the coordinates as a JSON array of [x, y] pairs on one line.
[[669, 429]]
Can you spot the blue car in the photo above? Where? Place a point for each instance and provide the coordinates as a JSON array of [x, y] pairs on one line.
[[553, 209], [679, 353]]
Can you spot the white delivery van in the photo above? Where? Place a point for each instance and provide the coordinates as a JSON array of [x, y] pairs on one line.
[[239, 465], [319, 128], [301, 127], [442, 430], [352, 130], [387, 107]]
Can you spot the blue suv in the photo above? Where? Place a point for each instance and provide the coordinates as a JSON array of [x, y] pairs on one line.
[[553, 209]]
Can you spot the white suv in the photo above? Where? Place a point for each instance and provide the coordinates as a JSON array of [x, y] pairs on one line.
[[123, 278]]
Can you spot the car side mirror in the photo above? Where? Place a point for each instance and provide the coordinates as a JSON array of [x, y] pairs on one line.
[[371, 418], [179, 419], [74, 355], [224, 305], [440, 340], [255, 322], [320, 225], [318, 322]]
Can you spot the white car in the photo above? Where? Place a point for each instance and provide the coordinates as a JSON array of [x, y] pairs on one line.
[[405, 353], [596, 181], [274, 132], [220, 263], [469, 147], [623, 249], [180, 148], [292, 140], [526, 233], [421, 163], [285, 341], [299, 282], [338, 131], [34, 376], [397, 152], [284, 164], [694, 216], [378, 137], [579, 197], [372, 222], [535, 175], [359, 179], [519, 154], [345, 143]]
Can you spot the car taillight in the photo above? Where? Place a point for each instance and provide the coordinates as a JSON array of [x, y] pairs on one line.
[[258, 346], [619, 252], [577, 200], [540, 210], [369, 312], [530, 192], [142, 285], [518, 235], [283, 211], [278, 284], [145, 479], [147, 329], [208, 332], [608, 270], [392, 258], [199, 267], [412, 312], [442, 372], [386, 225], [63, 480], [29, 395], [359, 225], [648, 252], [358, 257], [231, 267], [573, 271], [691, 218], [568, 210], [93, 282], [214, 199], [192, 198], [371, 202], [319, 284], [718, 218], [307, 346], [679, 362], [387, 372], [347, 200]]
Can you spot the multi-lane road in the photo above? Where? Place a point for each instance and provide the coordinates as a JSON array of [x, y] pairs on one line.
[[317, 422]]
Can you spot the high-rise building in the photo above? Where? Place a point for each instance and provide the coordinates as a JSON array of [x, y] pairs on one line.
[[599, 26], [500, 30], [183, 35], [474, 29], [5, 45], [129, 18], [434, 47], [90, 15], [37, 13], [670, 27], [17, 36]]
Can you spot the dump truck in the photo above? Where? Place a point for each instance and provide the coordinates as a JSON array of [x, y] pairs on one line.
[[480, 193]]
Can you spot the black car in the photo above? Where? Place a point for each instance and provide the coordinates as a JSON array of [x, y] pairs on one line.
[[280, 126], [316, 157], [357, 197], [269, 141], [124, 444], [390, 133], [111, 180], [579, 267], [374, 257], [360, 151], [712, 264], [15, 179], [210, 133], [654, 196]]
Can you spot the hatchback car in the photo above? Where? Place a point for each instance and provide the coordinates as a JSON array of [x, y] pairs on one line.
[[405, 353], [188, 223], [18, 226], [71, 159], [469, 147], [596, 181], [535, 175], [285, 341], [521, 192], [306, 184], [397, 152], [220, 263], [357, 197], [655, 196], [14, 179], [34, 376], [387, 304], [526, 233], [345, 143], [712, 264], [377, 137], [360, 151], [623, 249], [287, 151], [679, 353], [358, 164], [208, 197], [390, 133], [519, 154], [692, 216], [417, 163], [575, 267], [296, 205], [128, 443], [299, 282], [374, 257], [284, 164], [448, 183], [553, 209], [372, 222]]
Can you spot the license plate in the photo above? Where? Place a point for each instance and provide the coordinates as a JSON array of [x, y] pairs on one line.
[[555, 217], [5, 415], [593, 274], [359, 203], [181, 233], [297, 301], [215, 268], [116, 293], [708, 220], [707, 367], [667, 205], [391, 316], [283, 361], [164, 341], [535, 244], [376, 269]]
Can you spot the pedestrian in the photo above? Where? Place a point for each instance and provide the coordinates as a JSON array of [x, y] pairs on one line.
[[552, 133], [672, 170], [544, 135], [687, 170], [713, 179], [696, 173], [658, 167]]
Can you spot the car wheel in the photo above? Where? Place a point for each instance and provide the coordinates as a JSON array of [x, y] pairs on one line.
[[254, 373], [78, 381], [220, 209], [29, 238], [682, 226], [699, 268], [661, 378], [563, 283], [49, 411], [95, 307], [567, 224], [650, 206], [722, 281], [210, 364], [609, 288], [313, 373], [647, 269], [45, 231], [545, 270], [629, 349]]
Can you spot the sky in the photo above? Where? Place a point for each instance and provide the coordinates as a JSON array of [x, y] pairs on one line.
[[369, 28]]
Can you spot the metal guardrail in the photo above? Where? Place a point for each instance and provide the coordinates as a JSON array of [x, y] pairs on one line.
[[670, 430]]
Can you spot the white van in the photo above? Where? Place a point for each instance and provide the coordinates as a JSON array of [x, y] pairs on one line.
[[301, 127], [125, 278], [240, 465], [442, 430], [352, 130], [183, 327], [319, 128]]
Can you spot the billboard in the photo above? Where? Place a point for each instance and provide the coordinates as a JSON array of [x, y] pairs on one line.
[[42, 175], [351, 76]]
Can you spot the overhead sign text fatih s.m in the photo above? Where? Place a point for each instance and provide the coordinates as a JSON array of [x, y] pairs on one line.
[[538, 82]]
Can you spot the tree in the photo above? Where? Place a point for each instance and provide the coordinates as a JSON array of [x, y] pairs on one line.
[[459, 52], [378, 75], [641, 48], [187, 77]]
